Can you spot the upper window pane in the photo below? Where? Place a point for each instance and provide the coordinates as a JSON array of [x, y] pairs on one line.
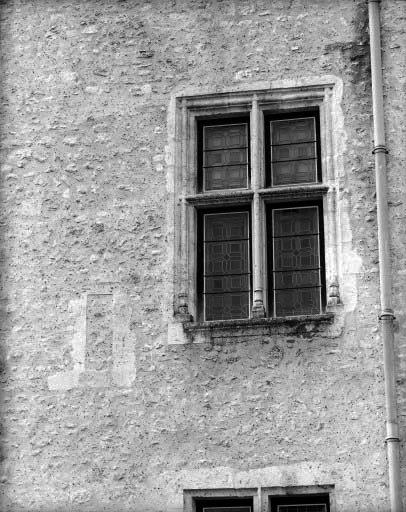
[[293, 150], [225, 156]]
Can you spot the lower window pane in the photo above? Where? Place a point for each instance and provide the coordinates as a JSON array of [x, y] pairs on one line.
[[298, 171], [223, 284], [226, 266], [226, 257], [297, 279], [300, 301], [225, 177], [227, 306]]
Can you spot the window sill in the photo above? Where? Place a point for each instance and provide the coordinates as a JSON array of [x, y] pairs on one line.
[[303, 326]]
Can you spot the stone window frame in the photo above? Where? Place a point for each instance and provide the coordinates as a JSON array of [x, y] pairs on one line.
[[188, 109], [261, 496]]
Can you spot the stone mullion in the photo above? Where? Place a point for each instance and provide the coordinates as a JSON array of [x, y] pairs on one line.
[[258, 309]]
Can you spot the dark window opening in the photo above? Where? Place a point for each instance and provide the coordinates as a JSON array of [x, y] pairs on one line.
[[292, 143], [224, 264], [224, 154], [296, 259], [224, 505], [301, 503]]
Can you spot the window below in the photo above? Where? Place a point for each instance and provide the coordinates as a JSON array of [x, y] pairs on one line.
[[309, 498]]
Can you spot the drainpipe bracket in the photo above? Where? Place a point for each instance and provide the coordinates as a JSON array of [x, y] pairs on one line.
[[380, 149]]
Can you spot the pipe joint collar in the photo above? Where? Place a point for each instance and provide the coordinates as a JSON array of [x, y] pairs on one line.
[[380, 149], [392, 440], [387, 314]]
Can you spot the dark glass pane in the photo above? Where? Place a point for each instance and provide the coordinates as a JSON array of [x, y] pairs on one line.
[[220, 178], [225, 136], [226, 226], [225, 157], [225, 148], [226, 257], [226, 265], [297, 171], [294, 152], [290, 131], [296, 253], [228, 306], [296, 279], [300, 301], [296, 261], [295, 221], [222, 284]]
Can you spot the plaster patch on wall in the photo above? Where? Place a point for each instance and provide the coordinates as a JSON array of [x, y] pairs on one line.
[[70, 378], [102, 350], [99, 334], [123, 371]]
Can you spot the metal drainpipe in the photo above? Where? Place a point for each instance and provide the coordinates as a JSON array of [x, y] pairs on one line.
[[386, 316]]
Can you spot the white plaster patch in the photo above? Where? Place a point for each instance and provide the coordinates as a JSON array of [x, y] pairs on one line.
[[85, 370], [69, 379], [176, 334]]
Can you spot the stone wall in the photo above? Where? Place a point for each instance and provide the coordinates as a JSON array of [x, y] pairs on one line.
[[100, 412]]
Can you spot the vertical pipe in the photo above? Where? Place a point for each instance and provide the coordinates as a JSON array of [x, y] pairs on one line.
[[386, 317], [258, 309]]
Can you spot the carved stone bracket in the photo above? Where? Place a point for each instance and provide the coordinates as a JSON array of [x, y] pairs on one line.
[[333, 293], [182, 310]]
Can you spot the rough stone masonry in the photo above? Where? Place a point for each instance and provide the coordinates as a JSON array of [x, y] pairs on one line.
[[100, 410]]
